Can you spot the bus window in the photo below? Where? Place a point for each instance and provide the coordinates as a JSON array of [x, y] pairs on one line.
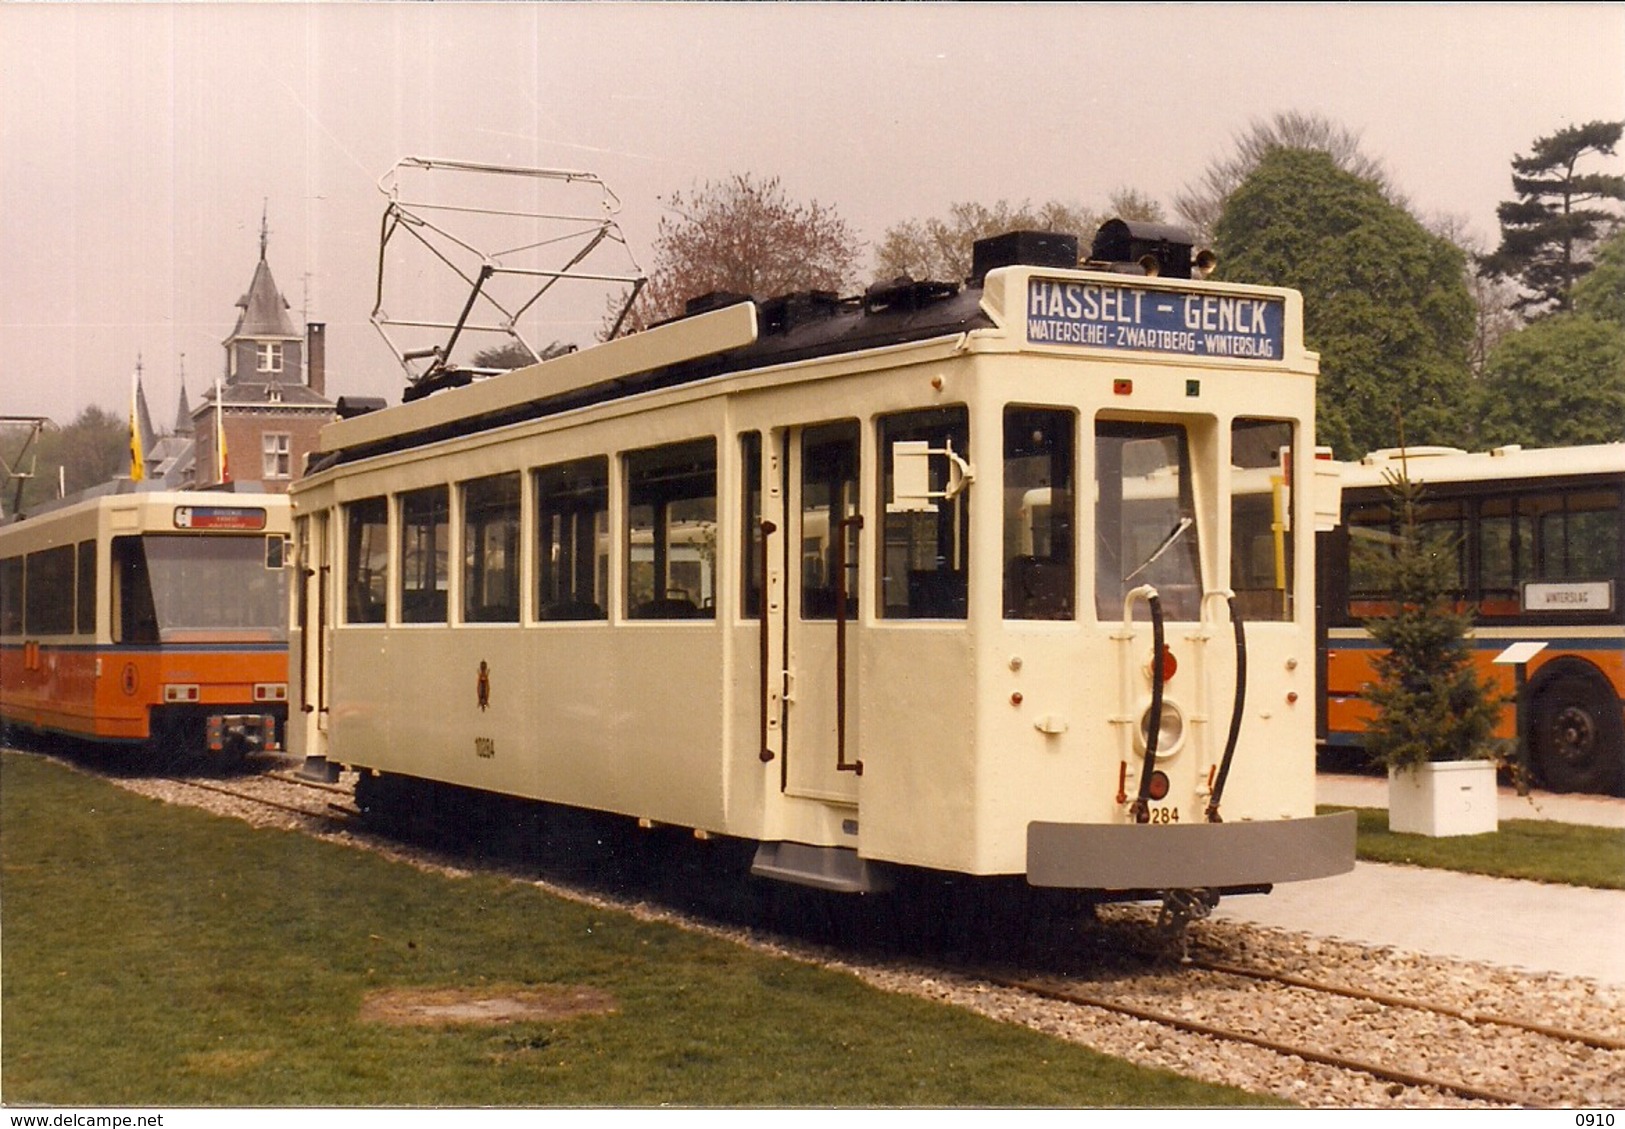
[[491, 549], [1506, 548], [671, 531], [367, 559], [425, 549], [924, 552], [1145, 520], [1261, 559], [572, 546], [86, 588], [1039, 513], [829, 495], [1579, 536]]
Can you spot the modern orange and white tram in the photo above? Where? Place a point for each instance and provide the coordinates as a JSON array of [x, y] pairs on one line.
[[976, 579], [148, 616]]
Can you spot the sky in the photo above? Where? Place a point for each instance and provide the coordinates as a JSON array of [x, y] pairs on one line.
[[142, 144]]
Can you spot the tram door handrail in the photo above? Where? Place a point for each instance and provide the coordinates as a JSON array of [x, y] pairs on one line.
[[853, 521], [766, 632]]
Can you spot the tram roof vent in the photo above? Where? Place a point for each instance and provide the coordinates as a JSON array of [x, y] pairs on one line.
[[1155, 248], [713, 300], [905, 293], [784, 313], [348, 407], [1022, 249]]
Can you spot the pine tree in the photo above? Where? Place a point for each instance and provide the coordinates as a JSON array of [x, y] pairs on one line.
[[1430, 705], [1548, 231]]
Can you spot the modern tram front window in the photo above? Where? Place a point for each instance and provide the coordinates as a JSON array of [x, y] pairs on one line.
[[572, 558], [671, 531], [175, 587], [1040, 515], [1145, 519], [1261, 557]]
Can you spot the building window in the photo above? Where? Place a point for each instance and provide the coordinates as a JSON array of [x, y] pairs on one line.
[[270, 356], [278, 455]]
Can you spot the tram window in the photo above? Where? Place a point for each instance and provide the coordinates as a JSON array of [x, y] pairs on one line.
[[86, 588], [1261, 555], [829, 497], [49, 591], [924, 553], [491, 549], [366, 561], [671, 531], [1039, 513], [11, 596], [572, 546], [752, 543], [134, 615], [1145, 520], [425, 546]]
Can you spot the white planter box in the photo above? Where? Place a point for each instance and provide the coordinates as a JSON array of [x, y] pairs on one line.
[[1443, 798]]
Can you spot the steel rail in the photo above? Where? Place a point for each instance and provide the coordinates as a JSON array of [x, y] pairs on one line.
[[1066, 994]]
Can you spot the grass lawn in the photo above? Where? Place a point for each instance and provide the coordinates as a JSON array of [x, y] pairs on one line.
[[1536, 849], [155, 955]]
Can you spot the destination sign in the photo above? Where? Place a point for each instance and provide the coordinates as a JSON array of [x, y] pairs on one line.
[[219, 517], [1104, 316]]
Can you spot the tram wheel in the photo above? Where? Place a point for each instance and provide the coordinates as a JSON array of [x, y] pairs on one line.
[[1575, 733]]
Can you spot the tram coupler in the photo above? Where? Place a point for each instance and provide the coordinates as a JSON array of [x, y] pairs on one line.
[[1179, 909], [248, 732]]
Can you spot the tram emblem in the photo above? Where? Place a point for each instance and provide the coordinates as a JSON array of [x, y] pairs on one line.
[[482, 686]]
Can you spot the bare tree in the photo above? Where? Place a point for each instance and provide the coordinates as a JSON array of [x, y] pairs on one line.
[[744, 236], [940, 248], [1494, 300], [1199, 204]]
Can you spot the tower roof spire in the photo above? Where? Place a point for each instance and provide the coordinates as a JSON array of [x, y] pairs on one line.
[[265, 230]]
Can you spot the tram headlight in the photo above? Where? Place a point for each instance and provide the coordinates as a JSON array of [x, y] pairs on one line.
[[1170, 734]]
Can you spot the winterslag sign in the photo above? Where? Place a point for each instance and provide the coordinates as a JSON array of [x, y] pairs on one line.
[[1104, 316]]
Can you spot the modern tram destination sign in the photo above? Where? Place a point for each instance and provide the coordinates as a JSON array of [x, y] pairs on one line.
[[219, 517], [1131, 318]]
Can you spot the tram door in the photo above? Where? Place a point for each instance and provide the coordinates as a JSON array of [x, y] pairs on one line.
[[314, 612], [823, 594]]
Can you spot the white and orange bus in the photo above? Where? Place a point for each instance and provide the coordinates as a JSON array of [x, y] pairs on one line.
[[1534, 538]]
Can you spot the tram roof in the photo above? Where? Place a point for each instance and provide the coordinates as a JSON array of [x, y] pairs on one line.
[[740, 336]]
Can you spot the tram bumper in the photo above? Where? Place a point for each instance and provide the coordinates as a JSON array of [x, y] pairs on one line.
[[1143, 856]]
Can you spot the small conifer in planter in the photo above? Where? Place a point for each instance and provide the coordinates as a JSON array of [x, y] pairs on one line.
[[1430, 705]]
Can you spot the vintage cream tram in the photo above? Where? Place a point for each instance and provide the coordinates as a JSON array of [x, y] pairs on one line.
[[1013, 578]]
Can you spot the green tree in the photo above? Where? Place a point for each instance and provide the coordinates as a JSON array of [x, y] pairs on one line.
[[1561, 380], [1200, 204], [1601, 293], [1546, 231], [1430, 705], [92, 450], [1385, 300], [744, 236], [940, 248]]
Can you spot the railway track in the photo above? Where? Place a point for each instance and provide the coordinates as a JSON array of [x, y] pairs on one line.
[[1227, 1027], [1410, 1047]]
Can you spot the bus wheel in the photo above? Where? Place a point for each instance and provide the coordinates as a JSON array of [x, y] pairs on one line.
[[1575, 733]]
